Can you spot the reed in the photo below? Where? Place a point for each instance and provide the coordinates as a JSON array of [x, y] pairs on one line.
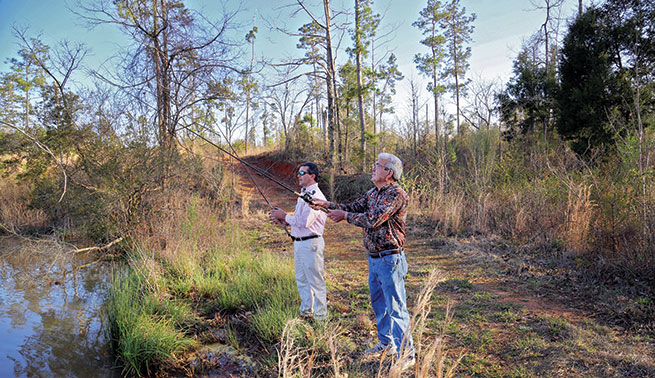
[[431, 353]]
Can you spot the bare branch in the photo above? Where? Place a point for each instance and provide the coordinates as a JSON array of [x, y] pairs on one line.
[[47, 150], [311, 15], [106, 246]]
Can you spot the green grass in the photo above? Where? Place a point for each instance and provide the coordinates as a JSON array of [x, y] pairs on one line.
[[474, 366], [156, 300], [531, 345], [459, 284], [145, 331]]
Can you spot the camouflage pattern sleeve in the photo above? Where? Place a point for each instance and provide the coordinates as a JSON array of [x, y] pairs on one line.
[[359, 206], [380, 212]]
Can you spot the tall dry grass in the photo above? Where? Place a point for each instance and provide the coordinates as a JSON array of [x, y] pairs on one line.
[[15, 213], [541, 195], [431, 353], [302, 345], [246, 197], [183, 222], [445, 210], [580, 216]]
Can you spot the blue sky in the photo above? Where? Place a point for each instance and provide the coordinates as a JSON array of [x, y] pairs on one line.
[[500, 28]]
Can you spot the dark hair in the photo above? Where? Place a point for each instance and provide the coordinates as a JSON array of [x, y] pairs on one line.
[[312, 169]]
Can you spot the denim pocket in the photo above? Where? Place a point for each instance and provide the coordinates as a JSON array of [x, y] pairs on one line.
[[391, 260]]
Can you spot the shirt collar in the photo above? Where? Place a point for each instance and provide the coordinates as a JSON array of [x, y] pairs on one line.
[[389, 185]]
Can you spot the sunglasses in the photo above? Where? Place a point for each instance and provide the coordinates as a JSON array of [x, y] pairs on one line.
[[301, 173]]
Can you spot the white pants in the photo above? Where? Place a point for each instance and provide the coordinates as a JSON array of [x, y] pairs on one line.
[[308, 261]]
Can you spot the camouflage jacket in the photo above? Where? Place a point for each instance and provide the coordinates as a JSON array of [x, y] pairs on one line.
[[382, 214]]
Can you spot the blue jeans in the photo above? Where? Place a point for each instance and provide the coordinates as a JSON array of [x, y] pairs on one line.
[[386, 283]]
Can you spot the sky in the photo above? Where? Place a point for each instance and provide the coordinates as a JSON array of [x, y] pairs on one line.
[[500, 29]]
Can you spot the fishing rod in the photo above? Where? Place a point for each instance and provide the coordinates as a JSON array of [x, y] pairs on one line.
[[253, 180], [304, 196]]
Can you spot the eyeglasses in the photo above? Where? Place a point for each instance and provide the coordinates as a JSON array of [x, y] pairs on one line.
[[301, 173], [378, 165]]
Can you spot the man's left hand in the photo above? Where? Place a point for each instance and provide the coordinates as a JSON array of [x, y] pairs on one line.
[[278, 214], [337, 215]]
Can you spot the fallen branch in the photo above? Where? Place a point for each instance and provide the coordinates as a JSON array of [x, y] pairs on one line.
[[96, 248]]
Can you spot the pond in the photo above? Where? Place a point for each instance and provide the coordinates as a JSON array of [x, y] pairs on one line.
[[50, 311]]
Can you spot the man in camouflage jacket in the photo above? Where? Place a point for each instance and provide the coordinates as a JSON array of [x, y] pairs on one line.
[[382, 214]]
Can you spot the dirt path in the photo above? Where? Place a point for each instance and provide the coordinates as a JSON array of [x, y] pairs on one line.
[[456, 258], [507, 322]]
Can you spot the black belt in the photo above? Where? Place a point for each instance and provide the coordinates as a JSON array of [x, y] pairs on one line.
[[385, 253], [304, 237]]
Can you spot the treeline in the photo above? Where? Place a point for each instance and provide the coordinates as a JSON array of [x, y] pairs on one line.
[[562, 153], [569, 169]]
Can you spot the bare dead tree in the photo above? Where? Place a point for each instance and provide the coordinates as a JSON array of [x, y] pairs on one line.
[[414, 122], [553, 9], [174, 57], [482, 102], [288, 101]]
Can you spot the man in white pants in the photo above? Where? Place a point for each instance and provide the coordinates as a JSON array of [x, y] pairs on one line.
[[307, 227]]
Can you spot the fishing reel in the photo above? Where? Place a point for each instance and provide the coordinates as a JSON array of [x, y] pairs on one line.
[[307, 197]]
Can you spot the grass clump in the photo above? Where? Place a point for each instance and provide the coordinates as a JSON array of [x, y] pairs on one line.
[[145, 331], [164, 299]]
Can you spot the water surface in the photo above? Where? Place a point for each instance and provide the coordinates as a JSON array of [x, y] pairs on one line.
[[50, 320]]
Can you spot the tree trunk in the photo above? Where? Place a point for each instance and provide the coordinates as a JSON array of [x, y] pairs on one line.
[[346, 146], [545, 119], [427, 117], [373, 82], [27, 98], [160, 57], [319, 116], [455, 60], [324, 121], [331, 93], [436, 110], [436, 92], [249, 87], [245, 139], [646, 231], [360, 93], [414, 123]]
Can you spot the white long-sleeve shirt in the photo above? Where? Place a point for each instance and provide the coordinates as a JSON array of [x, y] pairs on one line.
[[306, 221]]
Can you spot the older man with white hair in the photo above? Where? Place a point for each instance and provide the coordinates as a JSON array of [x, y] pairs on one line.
[[382, 214]]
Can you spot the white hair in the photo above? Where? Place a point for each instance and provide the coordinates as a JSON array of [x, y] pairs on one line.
[[394, 164]]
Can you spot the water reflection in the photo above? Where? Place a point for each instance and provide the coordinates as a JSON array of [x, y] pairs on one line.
[[50, 313]]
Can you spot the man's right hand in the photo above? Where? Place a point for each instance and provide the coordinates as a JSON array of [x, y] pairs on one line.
[[337, 215]]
